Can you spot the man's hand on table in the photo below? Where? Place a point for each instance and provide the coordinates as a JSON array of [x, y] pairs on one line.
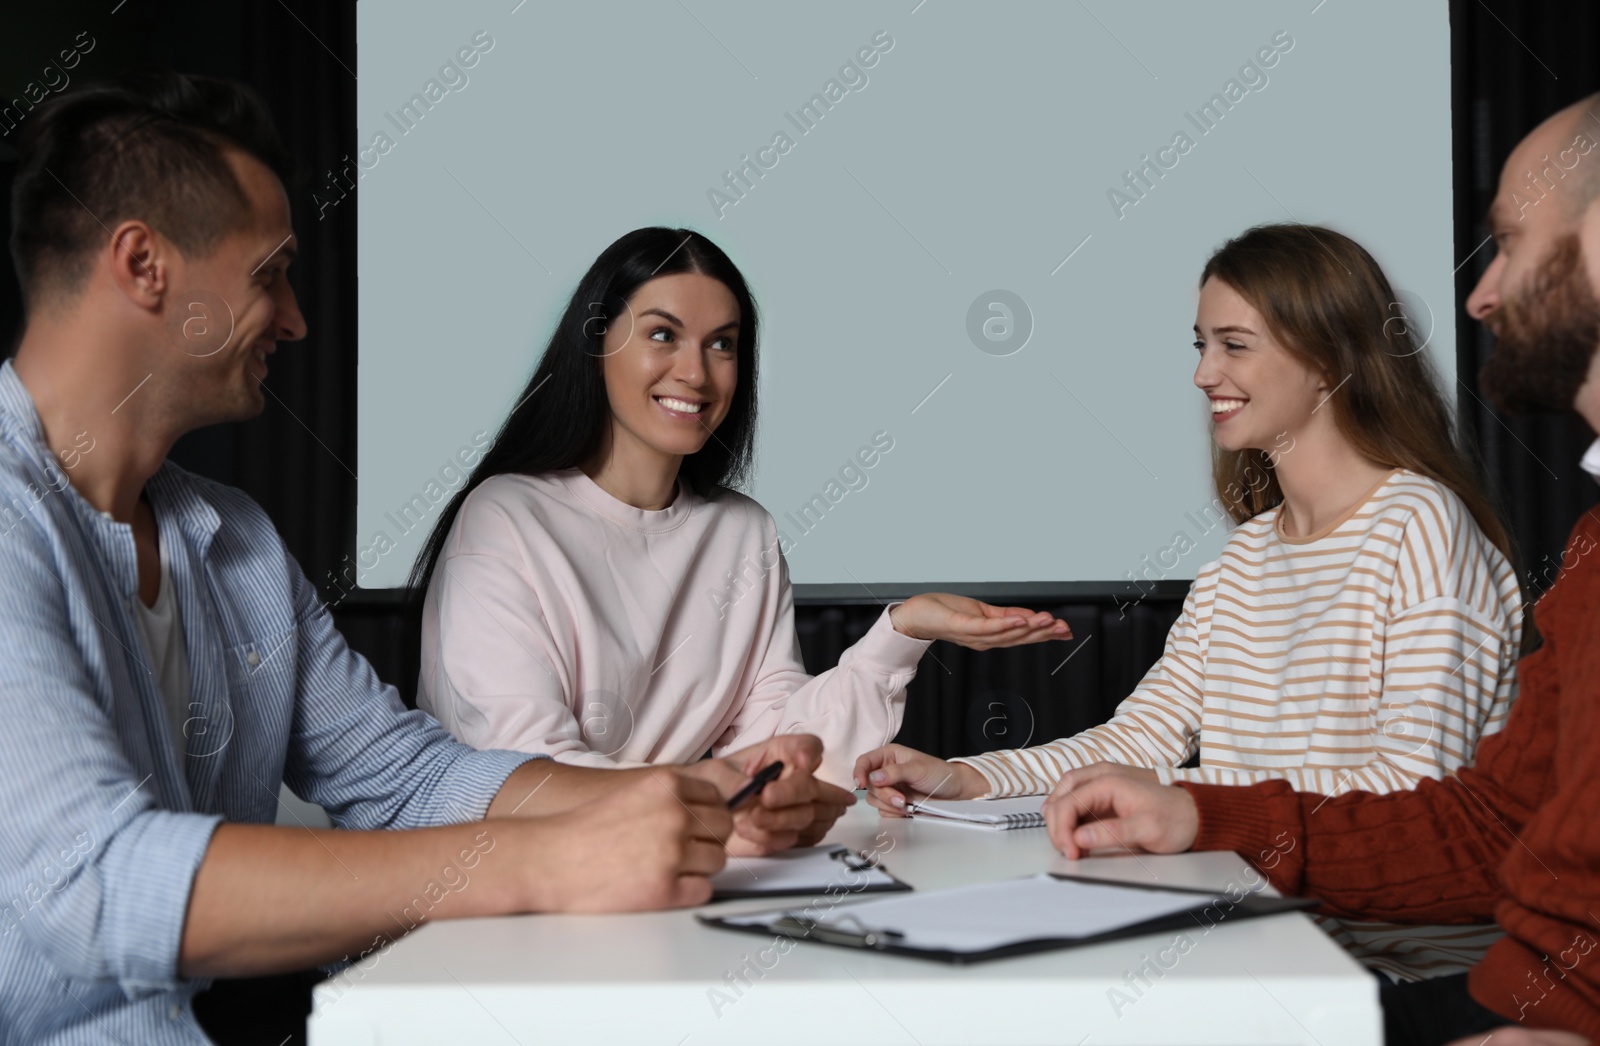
[[1111, 807], [651, 842], [795, 810], [594, 840]]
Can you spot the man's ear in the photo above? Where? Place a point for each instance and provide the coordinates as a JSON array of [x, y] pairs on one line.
[[1589, 243], [138, 260]]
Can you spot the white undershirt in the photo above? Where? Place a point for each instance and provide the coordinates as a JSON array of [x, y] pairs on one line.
[[1591, 460], [162, 628]]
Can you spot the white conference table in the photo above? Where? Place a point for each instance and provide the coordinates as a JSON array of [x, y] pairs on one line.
[[659, 978]]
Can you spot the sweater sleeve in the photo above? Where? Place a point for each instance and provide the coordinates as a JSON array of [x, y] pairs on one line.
[[1428, 855], [854, 707], [1158, 725], [1448, 678]]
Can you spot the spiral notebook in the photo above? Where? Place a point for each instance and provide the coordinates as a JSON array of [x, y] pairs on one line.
[[993, 814], [974, 923]]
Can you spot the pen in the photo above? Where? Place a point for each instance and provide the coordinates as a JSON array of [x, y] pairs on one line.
[[764, 777]]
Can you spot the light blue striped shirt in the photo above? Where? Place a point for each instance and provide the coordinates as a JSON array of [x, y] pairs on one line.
[[103, 826]]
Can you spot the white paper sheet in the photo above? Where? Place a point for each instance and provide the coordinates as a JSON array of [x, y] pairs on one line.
[[991, 915], [810, 870]]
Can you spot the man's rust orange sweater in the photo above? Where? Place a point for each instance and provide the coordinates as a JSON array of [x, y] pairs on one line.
[[1515, 837]]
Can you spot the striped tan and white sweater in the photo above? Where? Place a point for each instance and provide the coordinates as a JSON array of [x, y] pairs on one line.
[[1365, 657]]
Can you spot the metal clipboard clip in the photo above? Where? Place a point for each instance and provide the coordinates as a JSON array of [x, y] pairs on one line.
[[854, 861], [863, 937]]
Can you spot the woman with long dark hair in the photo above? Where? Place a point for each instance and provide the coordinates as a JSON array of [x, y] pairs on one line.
[[599, 592], [1361, 628]]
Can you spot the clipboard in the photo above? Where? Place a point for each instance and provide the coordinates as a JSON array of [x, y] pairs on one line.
[[997, 920], [832, 871]]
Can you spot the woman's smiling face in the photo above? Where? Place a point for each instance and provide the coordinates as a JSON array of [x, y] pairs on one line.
[[671, 364], [1258, 391]]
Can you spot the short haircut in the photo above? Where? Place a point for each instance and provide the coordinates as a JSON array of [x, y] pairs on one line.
[[149, 146]]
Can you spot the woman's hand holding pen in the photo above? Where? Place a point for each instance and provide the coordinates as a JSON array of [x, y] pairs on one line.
[[895, 775], [795, 810], [972, 623]]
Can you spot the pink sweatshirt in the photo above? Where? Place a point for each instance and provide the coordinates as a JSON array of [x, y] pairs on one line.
[[561, 620]]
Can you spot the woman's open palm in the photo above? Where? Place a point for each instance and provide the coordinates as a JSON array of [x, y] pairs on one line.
[[973, 623]]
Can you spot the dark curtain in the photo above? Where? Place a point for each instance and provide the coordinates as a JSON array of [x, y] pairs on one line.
[[301, 56], [298, 458], [1512, 65], [963, 701]]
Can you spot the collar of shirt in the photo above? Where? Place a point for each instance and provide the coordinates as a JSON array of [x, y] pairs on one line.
[[174, 502], [1591, 460]]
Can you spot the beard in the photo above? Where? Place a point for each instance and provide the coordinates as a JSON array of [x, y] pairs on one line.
[[1545, 337]]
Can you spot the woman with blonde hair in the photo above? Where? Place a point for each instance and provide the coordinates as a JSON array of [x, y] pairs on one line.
[[1360, 630]]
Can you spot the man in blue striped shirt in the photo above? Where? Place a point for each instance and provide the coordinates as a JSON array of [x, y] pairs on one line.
[[166, 664]]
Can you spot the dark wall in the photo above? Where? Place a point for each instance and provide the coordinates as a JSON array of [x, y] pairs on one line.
[[298, 458], [1512, 66]]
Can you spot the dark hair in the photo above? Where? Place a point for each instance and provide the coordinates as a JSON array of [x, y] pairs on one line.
[[1328, 303], [147, 145], [562, 414]]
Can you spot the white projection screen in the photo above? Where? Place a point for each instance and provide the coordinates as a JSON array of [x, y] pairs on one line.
[[973, 230]]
